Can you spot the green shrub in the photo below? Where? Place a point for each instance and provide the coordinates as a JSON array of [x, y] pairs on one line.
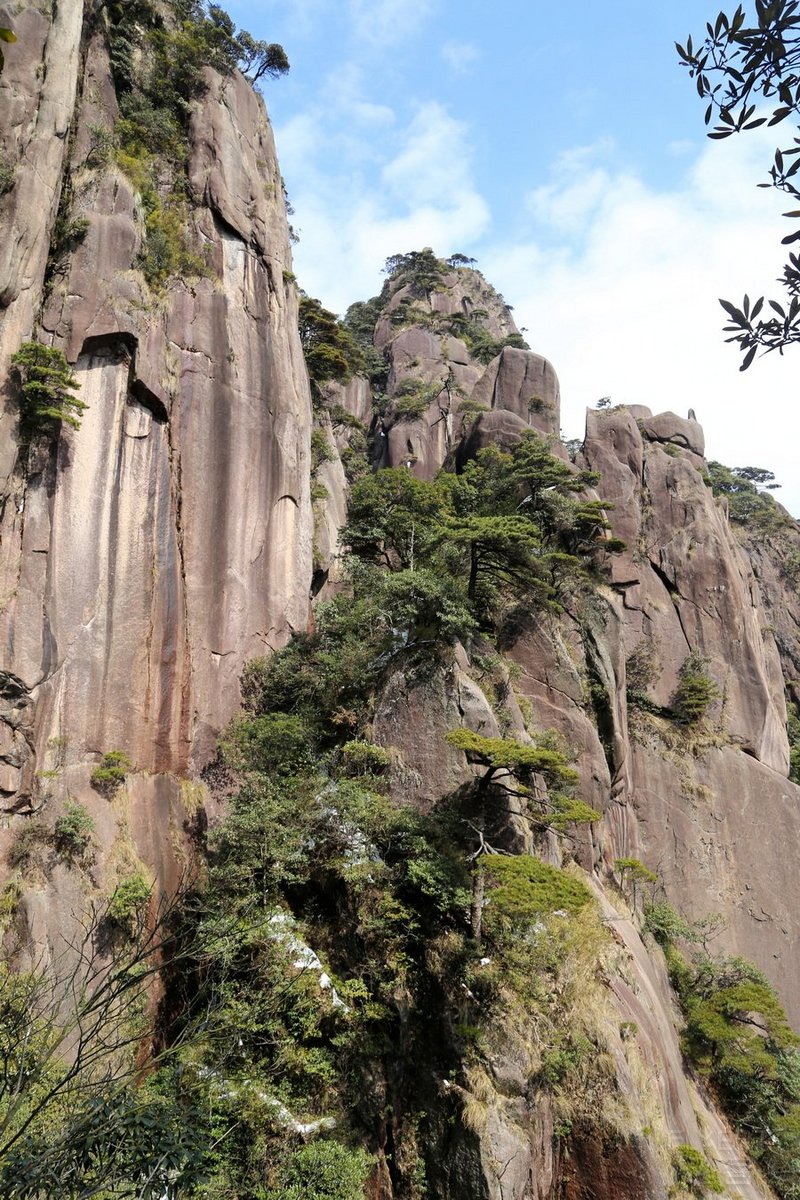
[[537, 405], [635, 871], [276, 743], [343, 419], [321, 449], [29, 845], [129, 901], [666, 924], [641, 668], [507, 754], [738, 1036], [355, 457], [11, 893], [746, 504], [793, 731], [7, 174], [521, 889], [421, 270], [696, 691], [484, 347], [694, 1172], [323, 1171], [327, 677], [111, 771], [166, 251], [364, 758], [68, 232], [102, 145], [634, 876], [331, 352], [412, 408], [46, 386], [74, 831], [560, 1060], [413, 398], [790, 567], [780, 1155]]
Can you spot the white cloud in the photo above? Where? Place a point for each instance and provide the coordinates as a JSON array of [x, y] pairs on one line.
[[305, 15], [459, 56], [578, 189], [427, 198], [344, 91], [617, 281], [619, 288], [434, 162], [385, 22]]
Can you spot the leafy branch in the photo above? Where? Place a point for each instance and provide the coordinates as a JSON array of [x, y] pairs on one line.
[[742, 60]]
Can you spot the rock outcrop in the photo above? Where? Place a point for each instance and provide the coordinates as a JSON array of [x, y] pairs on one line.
[[149, 554]]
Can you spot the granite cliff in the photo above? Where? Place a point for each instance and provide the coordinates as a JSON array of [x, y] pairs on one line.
[[192, 524], [150, 554]]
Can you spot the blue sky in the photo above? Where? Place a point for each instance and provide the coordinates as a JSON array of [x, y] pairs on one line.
[[563, 147]]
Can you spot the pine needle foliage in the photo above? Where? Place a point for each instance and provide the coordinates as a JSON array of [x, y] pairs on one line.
[[47, 389]]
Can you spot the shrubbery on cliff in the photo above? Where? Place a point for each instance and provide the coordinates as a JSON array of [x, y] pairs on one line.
[[159, 56], [739, 1038], [47, 388]]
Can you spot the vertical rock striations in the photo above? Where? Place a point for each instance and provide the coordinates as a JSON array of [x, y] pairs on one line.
[[147, 555]]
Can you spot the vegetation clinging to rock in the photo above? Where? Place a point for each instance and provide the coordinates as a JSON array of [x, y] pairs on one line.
[[111, 771], [746, 504], [74, 831], [47, 389], [694, 1172], [511, 528], [159, 57], [738, 1036], [696, 691]]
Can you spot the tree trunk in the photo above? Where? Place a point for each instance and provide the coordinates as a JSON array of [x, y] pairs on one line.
[[473, 573], [476, 907]]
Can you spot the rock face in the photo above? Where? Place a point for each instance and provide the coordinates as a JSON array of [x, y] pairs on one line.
[[516, 383], [605, 677], [685, 585], [147, 555]]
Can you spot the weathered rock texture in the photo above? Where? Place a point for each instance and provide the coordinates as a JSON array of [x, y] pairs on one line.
[[685, 584], [471, 404], [685, 801], [149, 554], [516, 384]]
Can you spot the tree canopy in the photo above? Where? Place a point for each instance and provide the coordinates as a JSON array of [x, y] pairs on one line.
[[746, 58], [76, 1117], [511, 528], [47, 387], [331, 352]]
